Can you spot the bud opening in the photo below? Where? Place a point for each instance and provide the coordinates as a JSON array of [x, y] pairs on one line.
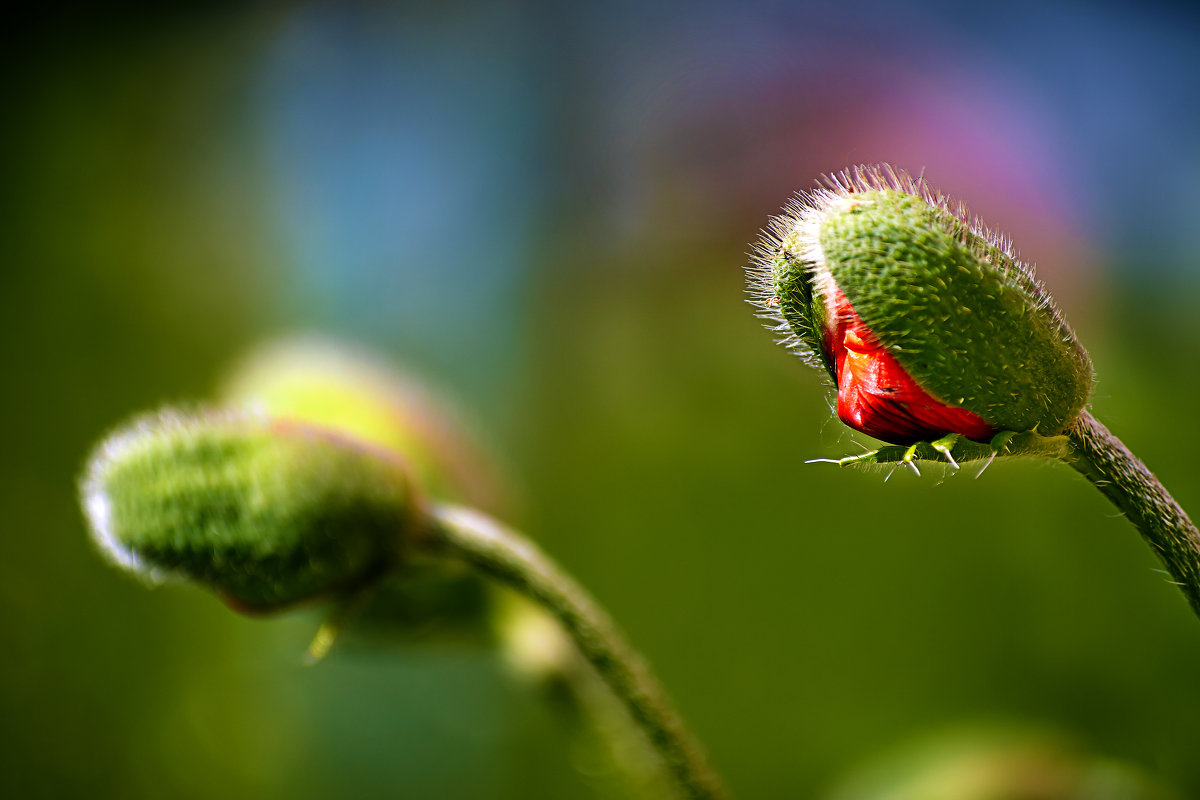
[[926, 322]]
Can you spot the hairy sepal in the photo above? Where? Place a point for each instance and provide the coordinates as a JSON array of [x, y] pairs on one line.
[[957, 450]]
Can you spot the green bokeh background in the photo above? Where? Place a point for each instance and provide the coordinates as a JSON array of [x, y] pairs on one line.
[[805, 618]]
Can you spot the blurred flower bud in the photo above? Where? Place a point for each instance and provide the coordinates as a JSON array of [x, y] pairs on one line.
[[927, 322], [330, 384], [264, 513], [996, 763]]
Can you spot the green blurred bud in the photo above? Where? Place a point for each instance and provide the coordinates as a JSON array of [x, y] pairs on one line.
[[997, 763], [360, 395], [879, 257], [265, 513], [330, 384]]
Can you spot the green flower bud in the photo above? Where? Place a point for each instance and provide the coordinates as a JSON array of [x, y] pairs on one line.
[[927, 322], [330, 384], [265, 513]]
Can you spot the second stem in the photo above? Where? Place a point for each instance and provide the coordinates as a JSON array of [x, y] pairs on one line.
[[1125, 480], [516, 562]]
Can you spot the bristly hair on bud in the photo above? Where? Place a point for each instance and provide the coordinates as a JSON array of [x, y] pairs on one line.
[[927, 322]]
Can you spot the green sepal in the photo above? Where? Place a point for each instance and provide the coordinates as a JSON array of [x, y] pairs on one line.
[[955, 450], [801, 306]]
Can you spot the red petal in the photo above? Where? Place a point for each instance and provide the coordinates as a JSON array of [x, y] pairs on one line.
[[878, 397]]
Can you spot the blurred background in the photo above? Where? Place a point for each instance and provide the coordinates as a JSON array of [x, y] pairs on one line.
[[545, 208]]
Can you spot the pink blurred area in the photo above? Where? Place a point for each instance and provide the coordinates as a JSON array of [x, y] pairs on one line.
[[710, 156]]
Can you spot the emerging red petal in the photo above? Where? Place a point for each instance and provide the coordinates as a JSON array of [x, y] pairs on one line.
[[878, 397]]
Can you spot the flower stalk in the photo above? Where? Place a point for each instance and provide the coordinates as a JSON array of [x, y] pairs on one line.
[[941, 342], [271, 513], [517, 563], [1121, 476]]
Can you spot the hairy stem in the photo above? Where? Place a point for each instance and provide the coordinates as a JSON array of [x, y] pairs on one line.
[[597, 714], [1124, 479], [511, 559]]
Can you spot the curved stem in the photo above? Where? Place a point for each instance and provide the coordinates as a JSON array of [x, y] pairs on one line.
[[596, 714], [1124, 479], [511, 559]]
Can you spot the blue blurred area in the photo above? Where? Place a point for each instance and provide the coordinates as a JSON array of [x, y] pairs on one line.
[[404, 179], [546, 208]]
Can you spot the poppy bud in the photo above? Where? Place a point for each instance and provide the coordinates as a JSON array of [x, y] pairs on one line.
[[265, 513], [360, 396], [927, 323], [334, 385]]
